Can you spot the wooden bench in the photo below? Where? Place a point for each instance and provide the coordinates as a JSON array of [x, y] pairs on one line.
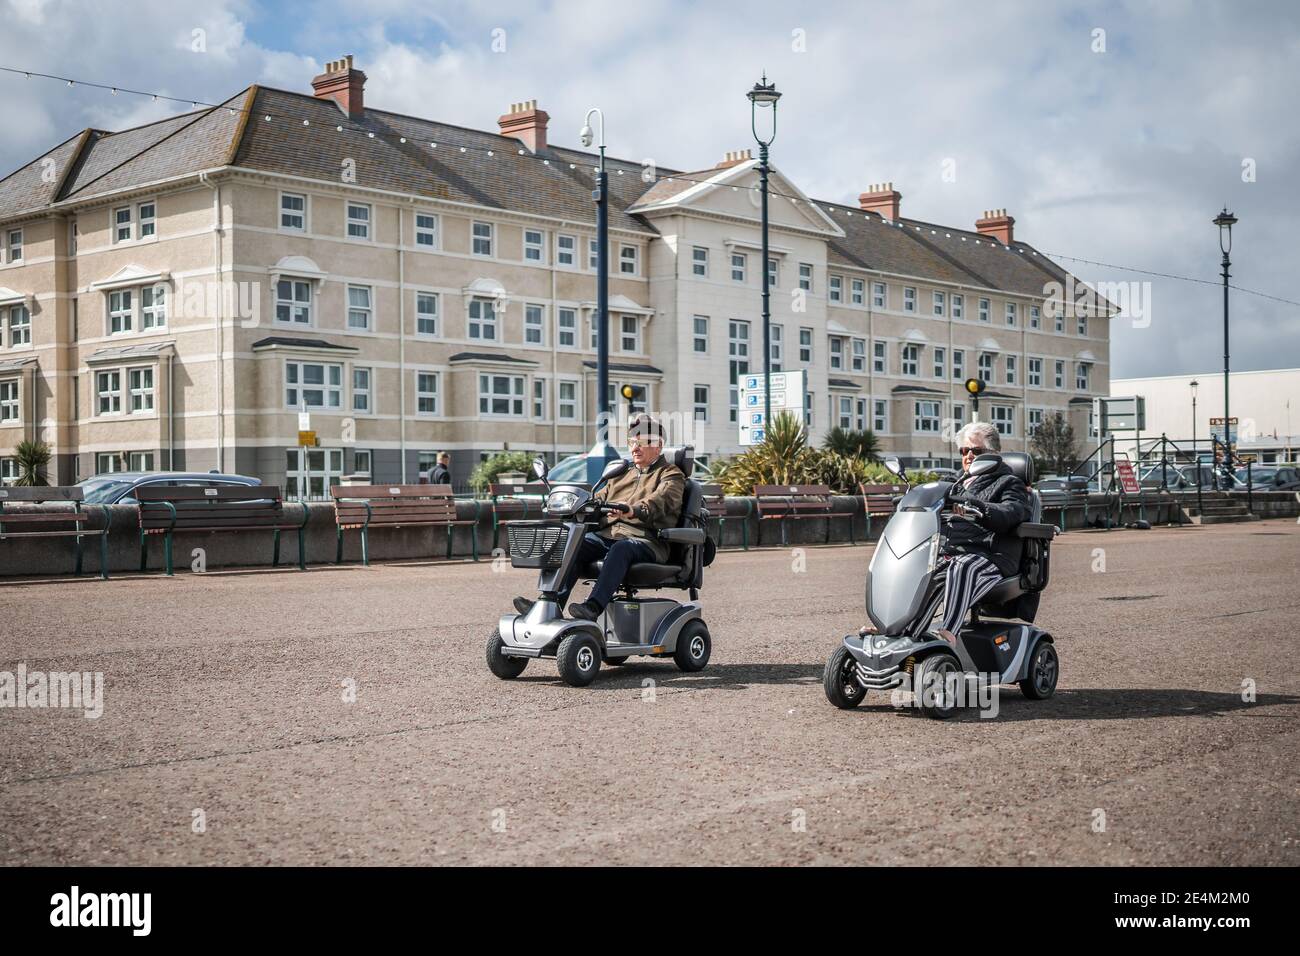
[[362, 507], [166, 511], [784, 502], [716, 504], [878, 501], [45, 524], [513, 501]]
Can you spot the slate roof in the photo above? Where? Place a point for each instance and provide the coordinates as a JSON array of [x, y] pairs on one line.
[[289, 340], [489, 357], [626, 367], [96, 163]]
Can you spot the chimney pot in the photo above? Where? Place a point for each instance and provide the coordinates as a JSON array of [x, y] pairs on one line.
[[342, 84], [997, 225], [881, 198], [526, 123]]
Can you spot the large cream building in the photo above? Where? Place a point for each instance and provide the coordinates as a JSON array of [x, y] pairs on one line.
[[174, 296]]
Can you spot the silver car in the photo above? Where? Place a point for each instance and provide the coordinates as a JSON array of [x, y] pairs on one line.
[[119, 487]]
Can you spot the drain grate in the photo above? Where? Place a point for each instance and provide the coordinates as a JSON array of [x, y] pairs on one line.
[[1132, 597]]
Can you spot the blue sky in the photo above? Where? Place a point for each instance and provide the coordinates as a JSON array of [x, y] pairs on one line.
[[1119, 151]]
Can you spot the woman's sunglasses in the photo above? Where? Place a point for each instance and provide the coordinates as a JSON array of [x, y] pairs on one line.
[[970, 451]]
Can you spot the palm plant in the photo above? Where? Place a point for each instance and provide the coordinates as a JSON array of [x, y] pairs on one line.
[[853, 443], [32, 457]]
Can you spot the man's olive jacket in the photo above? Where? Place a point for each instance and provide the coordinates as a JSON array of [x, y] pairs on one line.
[[655, 496]]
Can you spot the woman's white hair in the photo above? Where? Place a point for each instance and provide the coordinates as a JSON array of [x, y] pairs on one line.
[[983, 432]]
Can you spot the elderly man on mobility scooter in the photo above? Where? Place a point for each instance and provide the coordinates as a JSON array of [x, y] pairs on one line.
[[649, 498]]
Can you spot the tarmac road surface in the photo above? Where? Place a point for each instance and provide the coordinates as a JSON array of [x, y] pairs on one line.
[[225, 704]]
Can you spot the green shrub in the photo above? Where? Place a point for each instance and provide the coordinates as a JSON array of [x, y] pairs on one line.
[[486, 472]]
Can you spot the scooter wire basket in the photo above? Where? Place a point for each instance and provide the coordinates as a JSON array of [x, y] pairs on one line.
[[536, 544]]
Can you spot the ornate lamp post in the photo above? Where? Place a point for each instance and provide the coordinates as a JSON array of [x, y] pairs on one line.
[[601, 452], [1225, 221], [762, 97]]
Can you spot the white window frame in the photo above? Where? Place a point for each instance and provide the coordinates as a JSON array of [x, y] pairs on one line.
[[700, 261], [857, 292], [364, 392], [629, 260], [428, 401], [927, 417], [939, 302], [142, 393], [940, 355], [360, 316], [879, 295], [566, 257], [427, 237], [299, 385], [20, 332], [1059, 373], [700, 334], [985, 310], [294, 304], [986, 366], [562, 403], [958, 307], [835, 349], [880, 416], [910, 359], [120, 225], [300, 214], [858, 356], [149, 221], [486, 321], [482, 238], [153, 314], [805, 276], [108, 386], [1035, 317], [562, 330], [514, 395], [879, 358], [624, 336], [593, 254], [1082, 376], [805, 345], [11, 401], [541, 394], [909, 298], [959, 365], [698, 406], [121, 319], [1011, 313], [427, 320], [16, 245], [534, 248], [534, 311], [358, 227], [739, 266], [1003, 415], [1012, 370], [1034, 372], [835, 288]]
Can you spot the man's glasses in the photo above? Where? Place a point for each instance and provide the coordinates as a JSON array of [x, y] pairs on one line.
[[970, 451], [643, 443]]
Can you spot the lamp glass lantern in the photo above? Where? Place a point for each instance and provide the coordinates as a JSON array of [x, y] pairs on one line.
[[1225, 221]]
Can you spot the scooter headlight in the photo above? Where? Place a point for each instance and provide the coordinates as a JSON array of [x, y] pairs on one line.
[[561, 502]]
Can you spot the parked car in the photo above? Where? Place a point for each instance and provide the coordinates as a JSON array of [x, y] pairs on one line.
[[574, 469], [1272, 477], [1076, 484], [119, 487]]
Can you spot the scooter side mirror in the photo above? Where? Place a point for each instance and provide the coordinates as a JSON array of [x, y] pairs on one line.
[[614, 469], [894, 465], [539, 468], [983, 464]]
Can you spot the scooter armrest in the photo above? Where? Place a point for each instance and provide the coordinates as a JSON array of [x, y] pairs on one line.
[[682, 535], [1028, 529]]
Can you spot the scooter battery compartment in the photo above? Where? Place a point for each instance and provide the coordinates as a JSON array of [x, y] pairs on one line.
[[536, 544], [633, 621]]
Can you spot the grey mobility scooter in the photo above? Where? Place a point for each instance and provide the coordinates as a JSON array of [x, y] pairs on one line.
[[630, 625], [905, 589]]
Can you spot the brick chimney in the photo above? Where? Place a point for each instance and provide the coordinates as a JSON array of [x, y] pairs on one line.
[[526, 123], [996, 224], [342, 84], [734, 158], [881, 198]]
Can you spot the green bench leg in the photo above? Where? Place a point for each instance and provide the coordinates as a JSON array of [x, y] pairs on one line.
[[338, 554], [302, 552], [167, 553], [365, 547], [103, 556], [275, 556], [473, 539], [144, 551], [744, 533], [449, 530], [77, 569], [785, 538]]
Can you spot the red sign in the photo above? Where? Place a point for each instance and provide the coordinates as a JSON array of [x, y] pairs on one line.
[[1127, 479]]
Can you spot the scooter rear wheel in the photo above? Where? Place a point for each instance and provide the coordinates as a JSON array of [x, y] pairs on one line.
[[1043, 671], [507, 668], [693, 647], [840, 680]]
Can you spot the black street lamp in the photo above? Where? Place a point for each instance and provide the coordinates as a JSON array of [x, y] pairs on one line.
[[1194, 383], [601, 452], [1225, 221], [761, 97]]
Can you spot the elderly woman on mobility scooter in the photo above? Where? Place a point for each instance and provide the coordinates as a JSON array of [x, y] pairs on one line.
[[979, 541], [649, 496]]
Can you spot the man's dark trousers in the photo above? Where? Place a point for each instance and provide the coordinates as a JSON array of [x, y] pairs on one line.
[[619, 554]]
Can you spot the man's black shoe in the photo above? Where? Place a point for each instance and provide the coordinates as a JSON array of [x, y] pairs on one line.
[[523, 605], [587, 610]]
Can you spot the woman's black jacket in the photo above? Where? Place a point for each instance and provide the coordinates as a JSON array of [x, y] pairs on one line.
[[1006, 502]]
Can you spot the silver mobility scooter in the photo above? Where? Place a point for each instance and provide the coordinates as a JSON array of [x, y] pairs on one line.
[[905, 590], [631, 625]]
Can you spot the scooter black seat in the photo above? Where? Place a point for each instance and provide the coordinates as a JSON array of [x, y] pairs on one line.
[[1008, 589], [642, 575]]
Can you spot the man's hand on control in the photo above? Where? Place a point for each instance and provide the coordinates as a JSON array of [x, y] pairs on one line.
[[623, 507]]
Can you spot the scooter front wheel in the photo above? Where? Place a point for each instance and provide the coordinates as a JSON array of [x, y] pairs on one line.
[[693, 647], [1041, 682], [937, 679], [507, 668], [840, 680], [578, 658]]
